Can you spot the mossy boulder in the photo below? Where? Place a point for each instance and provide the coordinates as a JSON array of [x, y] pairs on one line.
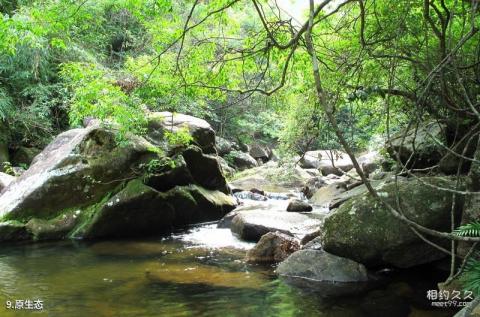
[[173, 172], [139, 210], [13, 231], [420, 146], [318, 265], [241, 160], [77, 169], [202, 133], [57, 228], [363, 230], [205, 169]]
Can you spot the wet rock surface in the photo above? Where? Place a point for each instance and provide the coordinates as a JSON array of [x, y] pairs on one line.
[[252, 225], [273, 247]]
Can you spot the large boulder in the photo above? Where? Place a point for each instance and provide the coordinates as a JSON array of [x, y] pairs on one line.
[[201, 131], [139, 210], [318, 265], [223, 146], [169, 173], [272, 177], [77, 169], [260, 152], [327, 161], [227, 170], [252, 225], [364, 230], [324, 195], [57, 228], [297, 205], [13, 231], [419, 146], [205, 169], [5, 180], [273, 247], [241, 160]]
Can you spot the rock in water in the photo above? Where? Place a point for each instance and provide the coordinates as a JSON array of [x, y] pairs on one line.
[[77, 169], [13, 231], [273, 247], [297, 205], [365, 231], [140, 210], [318, 265], [251, 225]]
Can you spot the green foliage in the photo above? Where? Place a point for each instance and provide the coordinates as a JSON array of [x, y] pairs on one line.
[[468, 230], [8, 168], [471, 276], [182, 137], [94, 94]]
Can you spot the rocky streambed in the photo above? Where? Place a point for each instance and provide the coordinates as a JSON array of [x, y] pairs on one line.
[[303, 238]]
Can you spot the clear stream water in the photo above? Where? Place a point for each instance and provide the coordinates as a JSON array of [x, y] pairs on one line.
[[197, 272]]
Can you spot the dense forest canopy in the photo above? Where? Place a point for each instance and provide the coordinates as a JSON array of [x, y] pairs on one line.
[[243, 65]]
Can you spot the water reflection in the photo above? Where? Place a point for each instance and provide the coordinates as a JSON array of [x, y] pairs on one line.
[[201, 273]]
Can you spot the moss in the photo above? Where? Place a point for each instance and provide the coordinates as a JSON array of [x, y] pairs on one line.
[[88, 213]]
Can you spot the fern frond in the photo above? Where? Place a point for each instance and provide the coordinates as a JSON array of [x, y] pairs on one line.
[[469, 230]]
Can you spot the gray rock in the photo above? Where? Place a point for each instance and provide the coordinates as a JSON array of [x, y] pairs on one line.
[[223, 146], [226, 221], [77, 169], [205, 169], [271, 177], [5, 180], [170, 175], [140, 210], [328, 162], [57, 228], [321, 266], [297, 205], [227, 170], [420, 143], [13, 231], [241, 160], [260, 152], [273, 247], [326, 194], [201, 131], [363, 230], [252, 225], [249, 195]]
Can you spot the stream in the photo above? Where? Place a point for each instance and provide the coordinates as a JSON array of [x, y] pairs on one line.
[[198, 271]]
